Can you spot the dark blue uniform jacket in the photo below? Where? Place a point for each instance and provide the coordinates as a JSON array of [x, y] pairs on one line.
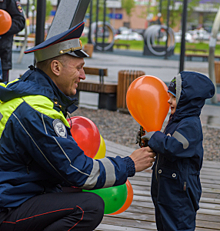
[[37, 150], [176, 187]]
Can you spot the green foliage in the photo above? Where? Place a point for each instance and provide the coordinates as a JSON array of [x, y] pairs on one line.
[[49, 7], [128, 5]]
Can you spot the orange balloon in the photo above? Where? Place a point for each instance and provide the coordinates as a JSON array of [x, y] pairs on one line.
[[147, 101], [5, 22], [128, 201]]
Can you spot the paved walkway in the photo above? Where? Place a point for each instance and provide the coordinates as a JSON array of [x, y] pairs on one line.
[[140, 215], [132, 60]]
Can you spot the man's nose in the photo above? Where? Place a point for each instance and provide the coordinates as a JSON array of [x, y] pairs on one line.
[[82, 74]]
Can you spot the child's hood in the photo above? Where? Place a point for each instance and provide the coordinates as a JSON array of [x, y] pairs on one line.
[[192, 89]]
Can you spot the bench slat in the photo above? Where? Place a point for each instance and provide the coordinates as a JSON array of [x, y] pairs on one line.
[[204, 56], [97, 88], [118, 45], [95, 71]]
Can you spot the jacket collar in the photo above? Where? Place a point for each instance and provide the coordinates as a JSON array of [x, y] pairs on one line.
[[46, 87]]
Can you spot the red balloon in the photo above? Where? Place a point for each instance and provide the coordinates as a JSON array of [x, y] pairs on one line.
[[128, 201], [147, 101], [5, 22], [86, 134]]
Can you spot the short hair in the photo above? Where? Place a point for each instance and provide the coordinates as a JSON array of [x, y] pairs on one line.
[[43, 65]]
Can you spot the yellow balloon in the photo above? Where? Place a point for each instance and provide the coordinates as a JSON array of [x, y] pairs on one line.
[[102, 149]]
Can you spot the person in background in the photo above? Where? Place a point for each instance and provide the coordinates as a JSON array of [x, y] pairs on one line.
[[14, 8], [176, 187], [38, 155]]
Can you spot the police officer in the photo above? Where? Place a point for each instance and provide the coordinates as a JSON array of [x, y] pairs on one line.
[[38, 155], [14, 8]]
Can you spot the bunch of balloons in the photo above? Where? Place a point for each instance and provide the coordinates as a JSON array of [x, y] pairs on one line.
[[117, 198], [147, 101], [5, 22]]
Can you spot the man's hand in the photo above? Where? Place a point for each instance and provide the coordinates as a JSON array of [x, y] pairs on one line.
[[143, 158]]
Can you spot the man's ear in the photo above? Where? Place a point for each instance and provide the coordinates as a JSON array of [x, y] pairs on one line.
[[56, 66]]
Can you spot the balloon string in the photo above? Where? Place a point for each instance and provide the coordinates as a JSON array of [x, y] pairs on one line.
[[68, 115]]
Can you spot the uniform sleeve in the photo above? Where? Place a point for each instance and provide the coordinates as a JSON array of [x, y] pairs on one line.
[[18, 20], [185, 142], [51, 145]]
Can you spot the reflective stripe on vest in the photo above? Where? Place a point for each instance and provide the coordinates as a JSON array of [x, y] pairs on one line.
[[6, 110], [38, 102], [45, 106]]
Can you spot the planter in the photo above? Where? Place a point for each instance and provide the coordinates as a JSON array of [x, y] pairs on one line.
[[217, 71]]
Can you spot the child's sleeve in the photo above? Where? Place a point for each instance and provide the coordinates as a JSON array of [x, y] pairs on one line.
[[185, 142]]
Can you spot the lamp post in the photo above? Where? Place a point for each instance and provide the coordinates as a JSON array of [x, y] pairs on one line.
[[32, 24], [184, 21], [27, 9], [168, 19], [97, 19], [161, 7], [104, 19], [40, 22], [90, 23]]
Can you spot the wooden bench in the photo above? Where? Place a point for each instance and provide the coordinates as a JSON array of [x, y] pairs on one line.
[[118, 45], [19, 41], [195, 52], [107, 91], [192, 48], [88, 48], [203, 56]]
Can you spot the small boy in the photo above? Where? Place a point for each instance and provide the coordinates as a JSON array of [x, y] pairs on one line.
[[176, 187]]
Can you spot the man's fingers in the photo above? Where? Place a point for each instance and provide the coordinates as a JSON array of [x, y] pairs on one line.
[[143, 158]]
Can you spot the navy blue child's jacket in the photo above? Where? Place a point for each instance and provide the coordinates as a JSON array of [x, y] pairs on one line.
[[176, 188]]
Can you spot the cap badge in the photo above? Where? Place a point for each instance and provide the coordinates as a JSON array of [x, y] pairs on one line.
[[72, 49]]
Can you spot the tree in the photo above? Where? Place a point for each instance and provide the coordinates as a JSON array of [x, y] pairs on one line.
[[176, 9], [49, 7], [128, 6]]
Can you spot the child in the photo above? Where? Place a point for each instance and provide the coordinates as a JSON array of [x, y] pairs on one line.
[[176, 188]]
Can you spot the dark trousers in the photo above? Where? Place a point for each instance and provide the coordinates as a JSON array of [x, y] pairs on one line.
[[57, 212], [5, 75]]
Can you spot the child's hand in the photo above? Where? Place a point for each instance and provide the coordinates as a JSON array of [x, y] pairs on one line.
[[147, 136]]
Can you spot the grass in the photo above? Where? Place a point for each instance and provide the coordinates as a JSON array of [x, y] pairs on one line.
[[139, 45]]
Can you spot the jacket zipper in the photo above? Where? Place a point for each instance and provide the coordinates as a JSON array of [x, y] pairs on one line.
[[184, 187], [157, 164]]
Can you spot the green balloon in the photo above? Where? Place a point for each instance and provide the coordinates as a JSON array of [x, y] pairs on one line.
[[113, 197]]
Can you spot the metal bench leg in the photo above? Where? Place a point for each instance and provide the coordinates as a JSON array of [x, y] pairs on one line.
[[107, 101]]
